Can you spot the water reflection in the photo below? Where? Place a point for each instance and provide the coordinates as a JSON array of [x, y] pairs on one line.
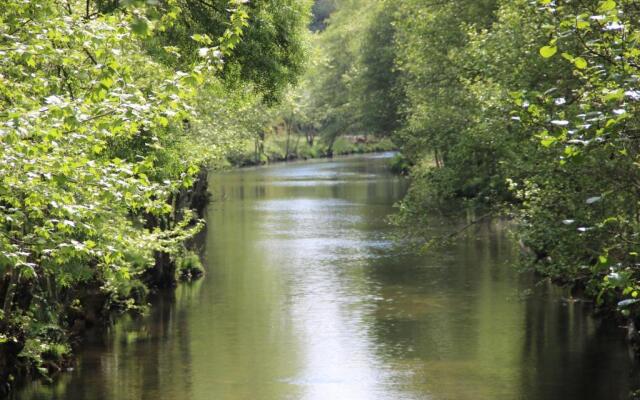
[[306, 297]]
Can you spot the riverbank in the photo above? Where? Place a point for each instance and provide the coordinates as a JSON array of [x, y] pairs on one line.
[[278, 148], [33, 351], [47, 353]]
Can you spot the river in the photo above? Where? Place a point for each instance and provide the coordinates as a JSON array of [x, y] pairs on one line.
[[307, 296]]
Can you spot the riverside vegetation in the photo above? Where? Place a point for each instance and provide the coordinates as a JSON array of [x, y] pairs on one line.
[[113, 110], [526, 108], [110, 113]]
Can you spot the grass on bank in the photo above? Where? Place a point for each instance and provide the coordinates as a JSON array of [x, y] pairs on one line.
[[277, 148]]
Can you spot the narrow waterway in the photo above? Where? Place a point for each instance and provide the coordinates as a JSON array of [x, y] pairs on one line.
[[307, 297]]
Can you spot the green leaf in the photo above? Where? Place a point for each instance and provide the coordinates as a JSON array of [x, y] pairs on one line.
[[571, 151], [568, 57], [607, 5], [614, 95], [548, 141], [582, 24], [204, 39], [580, 63], [548, 51]]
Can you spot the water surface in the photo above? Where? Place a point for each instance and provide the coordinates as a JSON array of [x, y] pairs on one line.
[[307, 297]]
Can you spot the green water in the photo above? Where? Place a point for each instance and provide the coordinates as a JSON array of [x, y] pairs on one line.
[[307, 297]]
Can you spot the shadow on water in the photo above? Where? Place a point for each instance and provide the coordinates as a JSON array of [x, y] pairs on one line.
[[307, 297]]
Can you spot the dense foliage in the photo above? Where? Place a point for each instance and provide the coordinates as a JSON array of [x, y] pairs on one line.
[[527, 108], [350, 86], [109, 114], [271, 54], [587, 127]]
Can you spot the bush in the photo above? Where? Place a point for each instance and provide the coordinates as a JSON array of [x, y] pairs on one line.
[[189, 266]]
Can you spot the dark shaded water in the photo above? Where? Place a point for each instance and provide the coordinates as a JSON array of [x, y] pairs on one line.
[[306, 297]]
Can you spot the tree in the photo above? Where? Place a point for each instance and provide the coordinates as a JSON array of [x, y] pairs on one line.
[[104, 138]]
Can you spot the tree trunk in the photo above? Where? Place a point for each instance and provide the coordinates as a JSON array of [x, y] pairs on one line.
[[287, 128]]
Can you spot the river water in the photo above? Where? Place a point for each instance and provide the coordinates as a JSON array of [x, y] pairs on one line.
[[307, 297]]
